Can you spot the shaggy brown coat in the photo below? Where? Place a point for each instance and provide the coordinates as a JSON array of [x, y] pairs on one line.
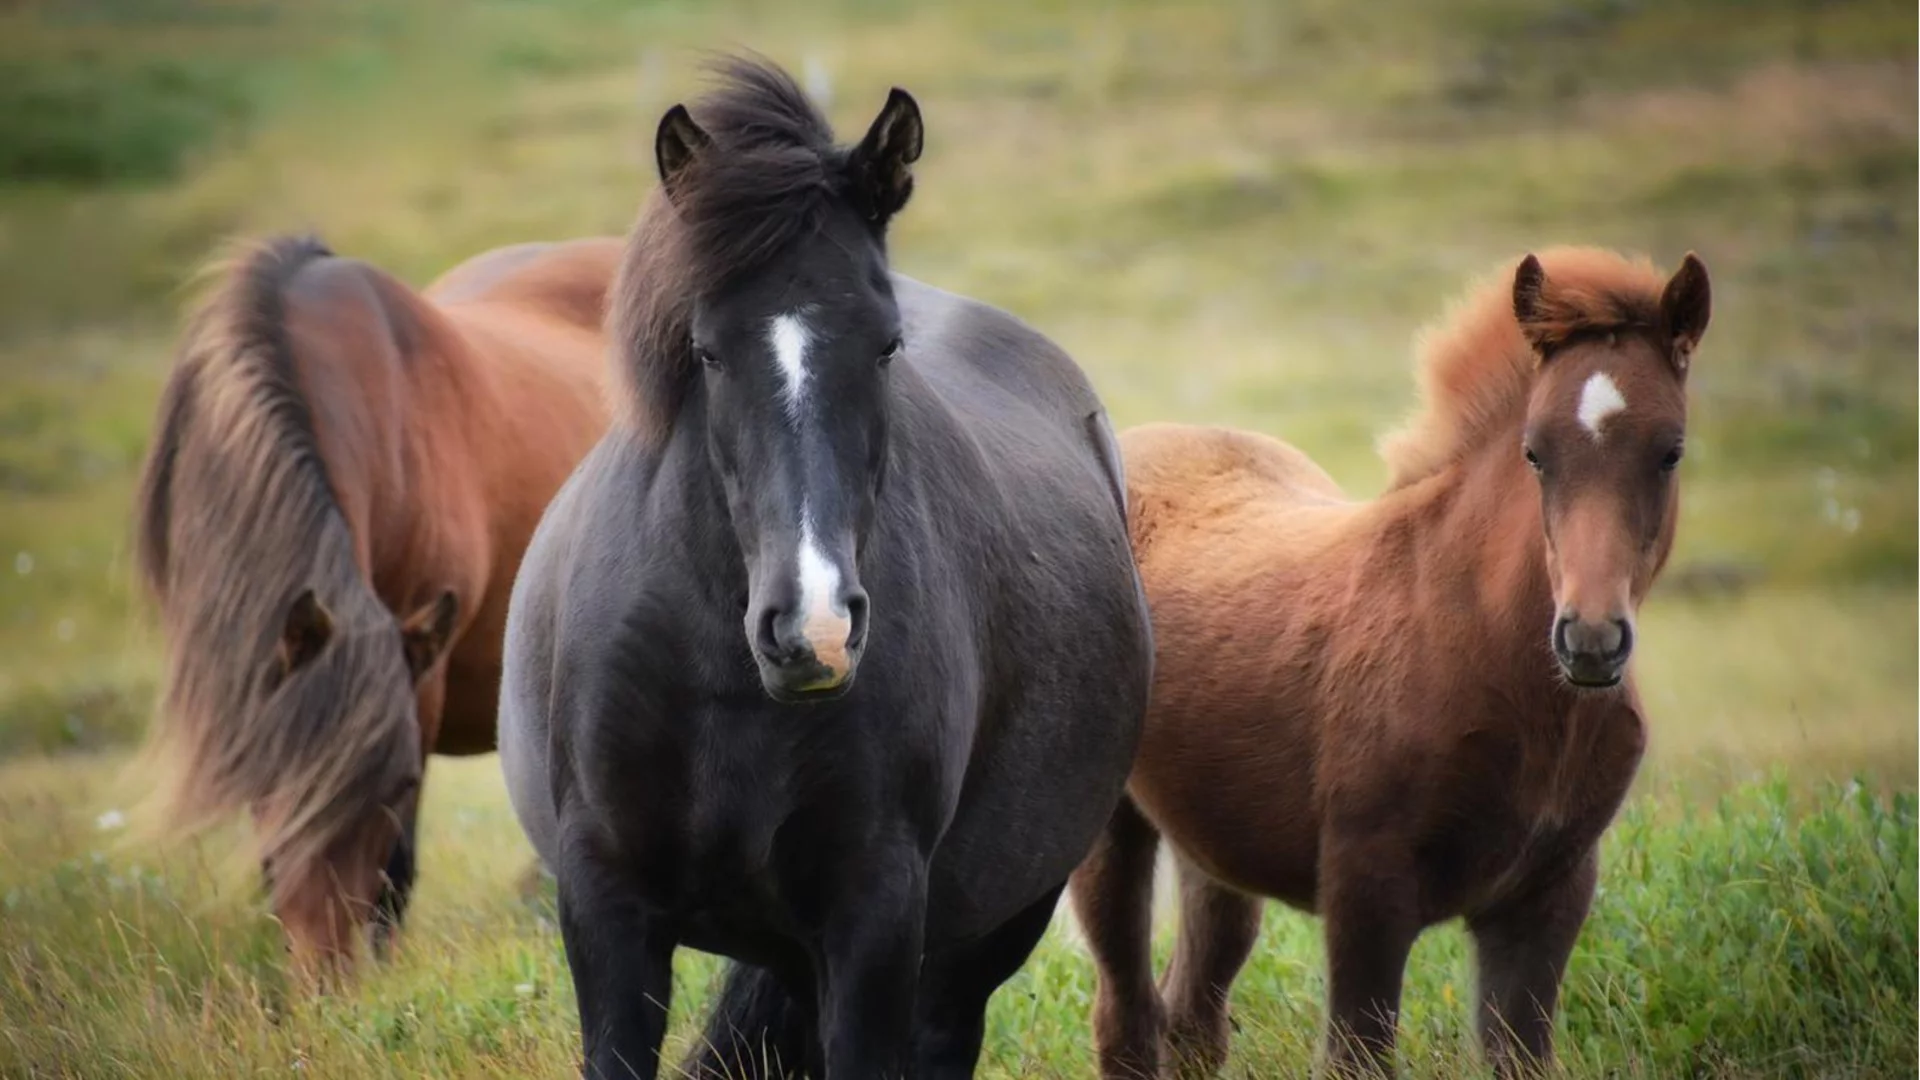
[[1357, 707], [342, 479]]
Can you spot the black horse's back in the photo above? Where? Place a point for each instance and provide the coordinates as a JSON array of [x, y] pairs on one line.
[[832, 657]]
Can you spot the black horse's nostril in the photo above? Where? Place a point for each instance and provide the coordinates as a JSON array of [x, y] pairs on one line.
[[767, 638], [857, 616]]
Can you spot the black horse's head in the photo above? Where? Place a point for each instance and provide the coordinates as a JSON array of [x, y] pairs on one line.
[[794, 344]]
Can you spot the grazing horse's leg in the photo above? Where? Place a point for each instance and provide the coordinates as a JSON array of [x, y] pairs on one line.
[[870, 970], [1521, 952], [391, 908], [1218, 928], [1371, 920], [622, 964], [955, 990], [1113, 899]]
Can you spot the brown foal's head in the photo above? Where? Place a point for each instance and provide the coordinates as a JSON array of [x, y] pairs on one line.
[[1604, 432]]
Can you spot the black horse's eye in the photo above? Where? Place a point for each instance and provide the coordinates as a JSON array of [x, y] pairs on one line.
[[889, 354], [706, 358], [1533, 459], [1671, 461]]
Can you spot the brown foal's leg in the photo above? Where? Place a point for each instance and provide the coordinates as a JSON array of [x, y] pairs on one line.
[[1369, 908], [1521, 951], [1113, 900], [1218, 928]]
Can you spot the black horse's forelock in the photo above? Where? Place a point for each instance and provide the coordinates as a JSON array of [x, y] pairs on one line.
[[769, 180]]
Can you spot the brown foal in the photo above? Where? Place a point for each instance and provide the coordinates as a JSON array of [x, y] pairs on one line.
[[1399, 712]]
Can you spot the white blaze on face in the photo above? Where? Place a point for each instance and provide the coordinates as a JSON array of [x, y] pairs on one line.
[[1599, 399], [823, 622], [790, 337]]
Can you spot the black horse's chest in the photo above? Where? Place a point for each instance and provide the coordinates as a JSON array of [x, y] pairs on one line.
[[728, 817]]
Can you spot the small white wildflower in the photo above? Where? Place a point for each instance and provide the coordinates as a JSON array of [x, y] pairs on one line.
[[23, 563], [1850, 520], [524, 989], [63, 629], [1831, 510], [109, 821]]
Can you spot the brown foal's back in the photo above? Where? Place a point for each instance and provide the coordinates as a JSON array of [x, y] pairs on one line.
[[1369, 710]]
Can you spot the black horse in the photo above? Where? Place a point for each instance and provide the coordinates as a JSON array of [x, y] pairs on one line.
[[832, 656]]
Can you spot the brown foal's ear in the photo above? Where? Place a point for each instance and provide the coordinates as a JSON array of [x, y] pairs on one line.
[[1685, 307], [880, 163], [676, 144], [426, 632], [308, 628], [1529, 284]]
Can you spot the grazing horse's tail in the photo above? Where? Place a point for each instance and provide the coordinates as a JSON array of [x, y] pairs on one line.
[[757, 1031]]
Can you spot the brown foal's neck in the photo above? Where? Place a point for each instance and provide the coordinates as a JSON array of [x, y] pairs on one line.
[[1486, 528]]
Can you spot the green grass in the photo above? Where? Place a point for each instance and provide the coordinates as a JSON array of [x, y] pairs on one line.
[[1769, 932], [1231, 212]]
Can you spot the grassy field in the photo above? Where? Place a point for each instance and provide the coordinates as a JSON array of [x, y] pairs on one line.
[[1234, 212]]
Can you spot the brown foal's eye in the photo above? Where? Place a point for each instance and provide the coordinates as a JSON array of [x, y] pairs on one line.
[[1533, 459], [1671, 461]]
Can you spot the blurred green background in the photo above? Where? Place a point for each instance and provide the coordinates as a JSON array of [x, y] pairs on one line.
[[1230, 212]]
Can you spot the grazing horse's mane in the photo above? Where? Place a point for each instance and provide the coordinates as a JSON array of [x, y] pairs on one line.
[[1476, 366], [773, 176], [234, 517]]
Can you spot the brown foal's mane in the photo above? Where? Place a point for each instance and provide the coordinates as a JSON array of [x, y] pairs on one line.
[[771, 175], [235, 516], [1476, 368]]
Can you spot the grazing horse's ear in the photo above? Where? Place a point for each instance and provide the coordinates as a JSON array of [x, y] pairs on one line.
[[879, 163], [675, 146], [1685, 307], [1529, 281], [308, 628], [426, 632]]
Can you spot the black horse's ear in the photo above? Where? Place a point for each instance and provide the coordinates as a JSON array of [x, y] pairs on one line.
[[880, 163], [675, 146], [1685, 305], [308, 628], [425, 633]]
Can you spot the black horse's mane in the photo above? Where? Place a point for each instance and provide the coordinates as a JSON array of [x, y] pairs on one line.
[[772, 176]]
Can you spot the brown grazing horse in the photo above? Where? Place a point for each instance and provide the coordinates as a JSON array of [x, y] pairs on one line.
[[343, 477], [1398, 712]]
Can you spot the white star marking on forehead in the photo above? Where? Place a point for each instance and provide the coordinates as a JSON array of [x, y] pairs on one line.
[[1599, 399], [790, 337]]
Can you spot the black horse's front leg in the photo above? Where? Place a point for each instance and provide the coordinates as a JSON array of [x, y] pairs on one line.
[[621, 958], [870, 969]]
